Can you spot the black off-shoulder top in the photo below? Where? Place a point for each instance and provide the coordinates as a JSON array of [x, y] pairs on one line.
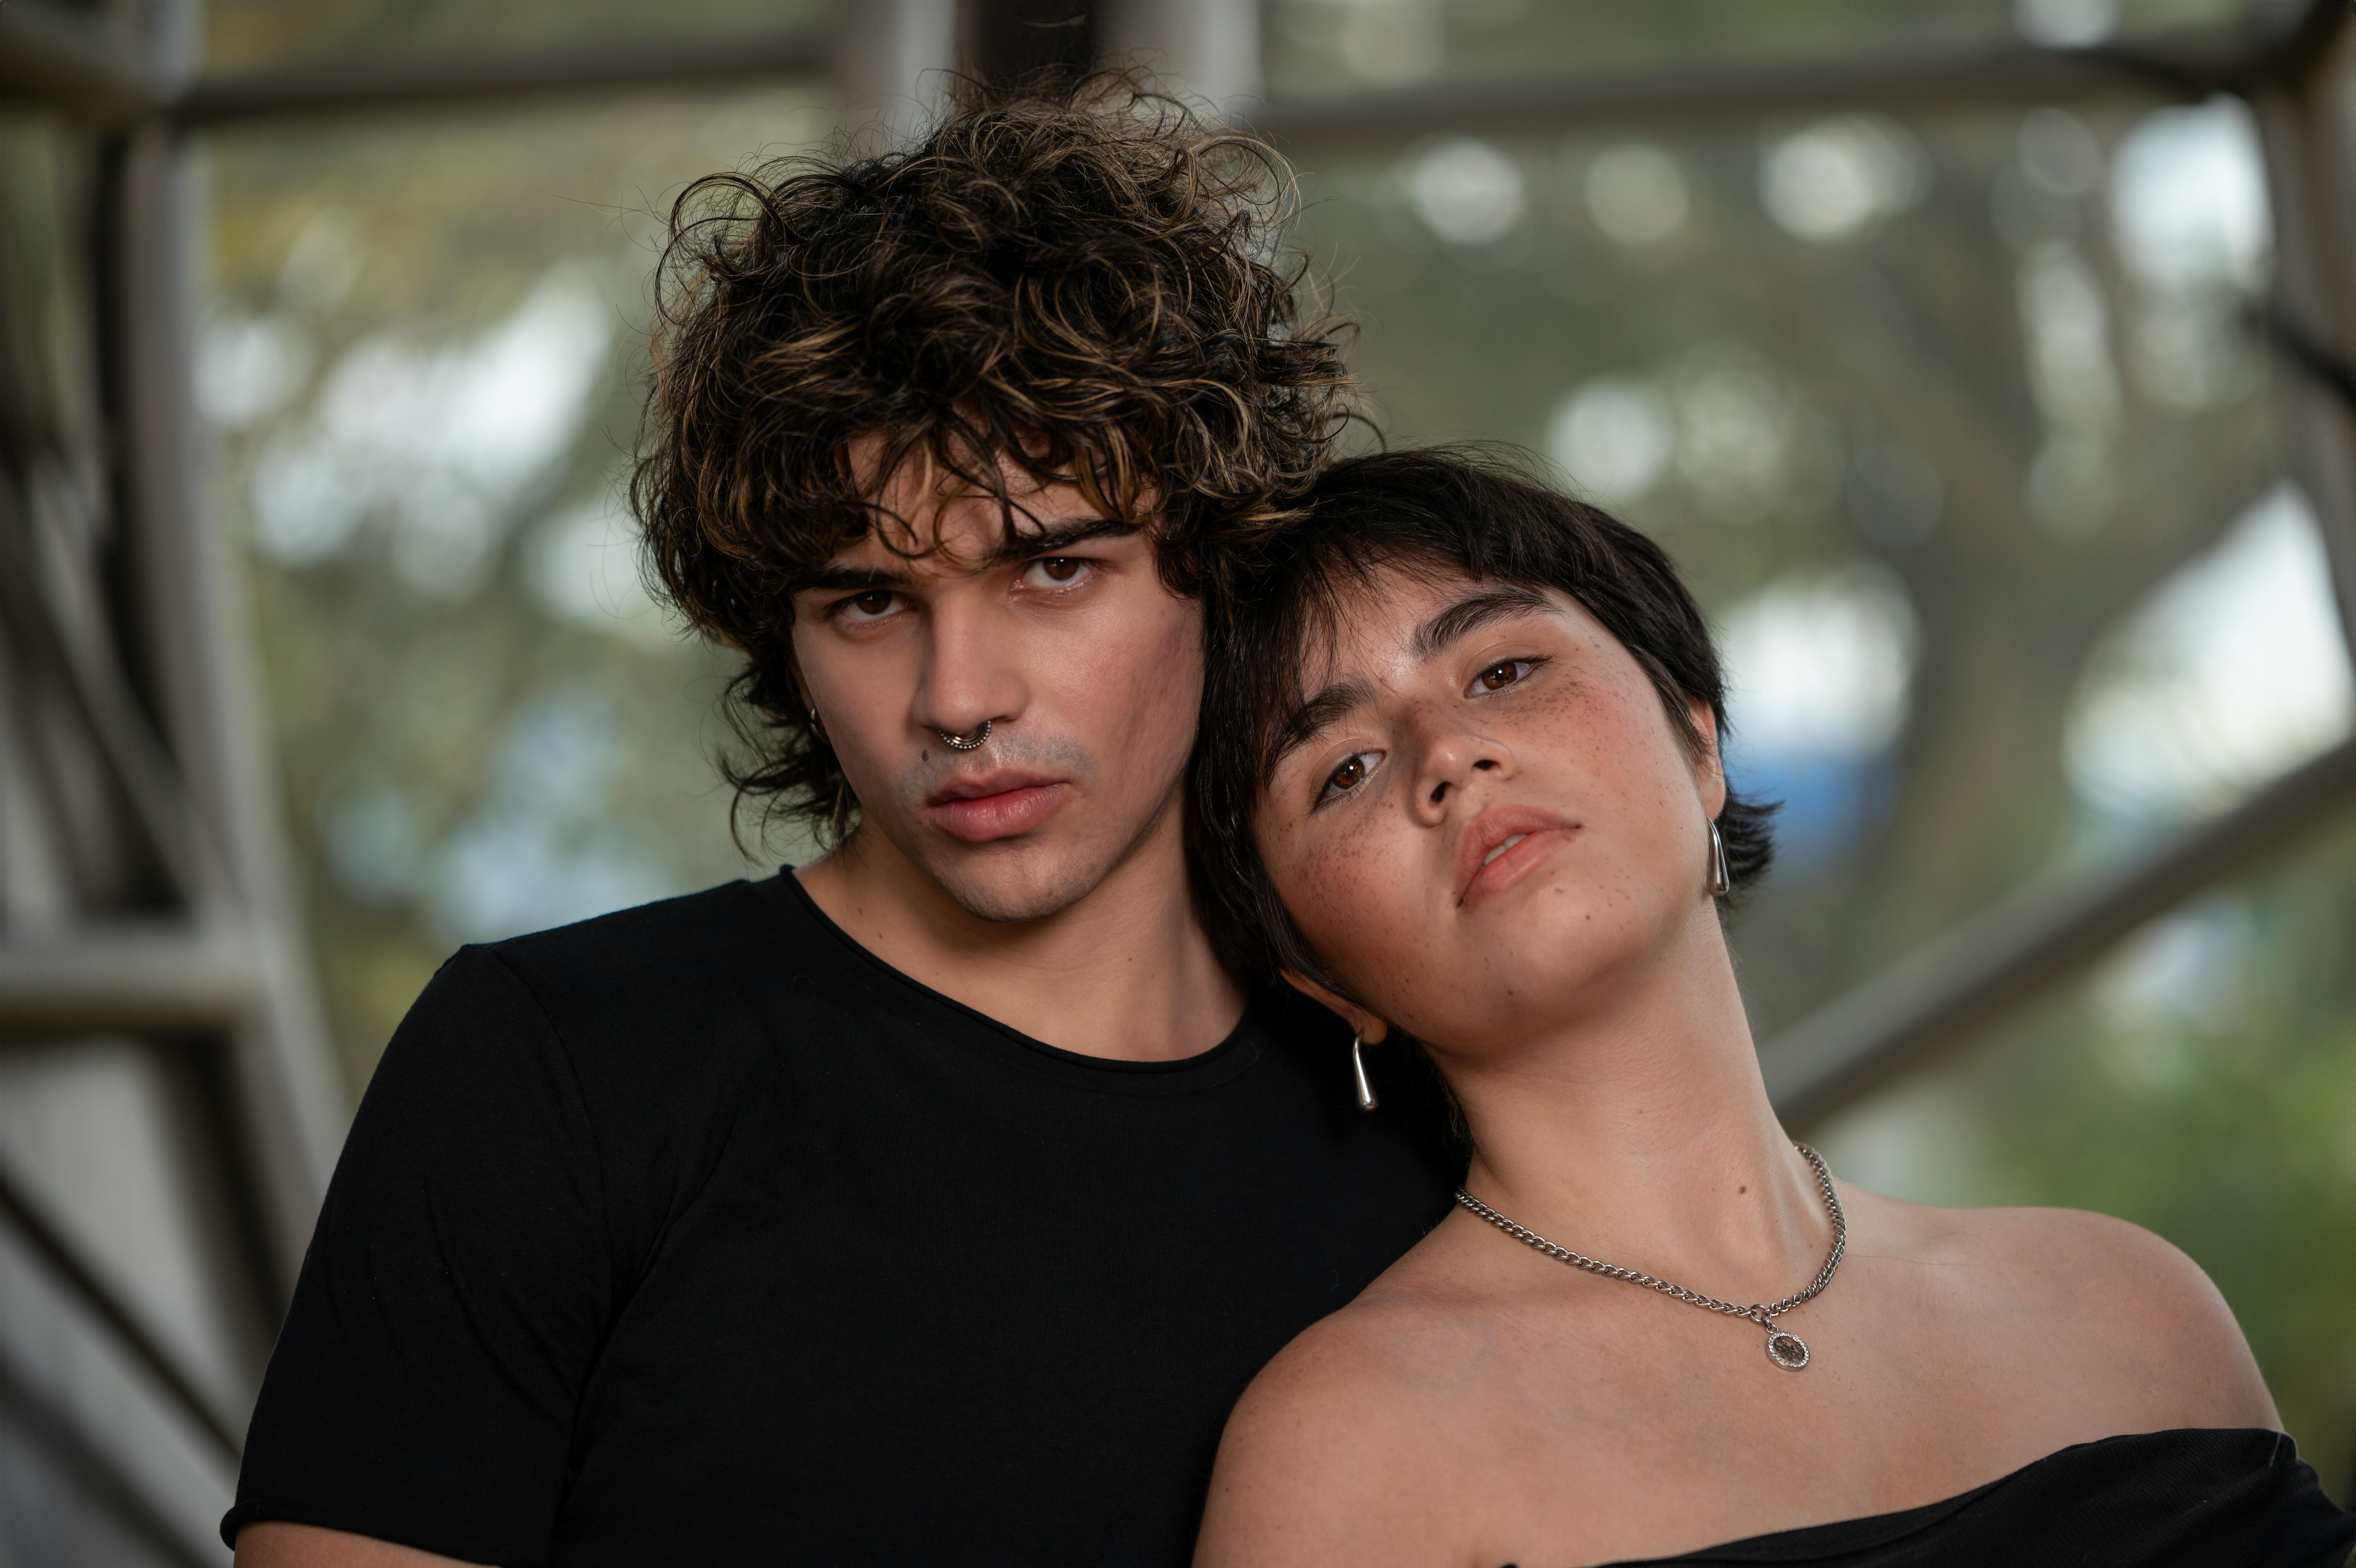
[[2199, 1497]]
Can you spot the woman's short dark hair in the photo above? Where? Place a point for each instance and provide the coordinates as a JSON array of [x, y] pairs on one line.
[[1086, 283], [1472, 511]]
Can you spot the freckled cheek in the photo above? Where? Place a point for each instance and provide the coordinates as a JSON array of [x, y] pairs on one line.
[[1352, 899], [1614, 741]]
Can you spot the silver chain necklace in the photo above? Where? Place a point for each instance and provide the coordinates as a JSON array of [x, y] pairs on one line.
[[1785, 1349]]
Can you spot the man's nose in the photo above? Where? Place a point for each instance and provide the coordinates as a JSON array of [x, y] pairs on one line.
[[1449, 755], [974, 672]]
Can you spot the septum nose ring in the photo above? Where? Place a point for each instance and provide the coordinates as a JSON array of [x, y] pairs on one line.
[[957, 743]]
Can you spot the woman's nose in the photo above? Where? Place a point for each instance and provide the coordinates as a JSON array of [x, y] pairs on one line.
[[1451, 755]]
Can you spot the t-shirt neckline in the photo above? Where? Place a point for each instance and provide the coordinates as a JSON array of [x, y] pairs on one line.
[[1204, 1070]]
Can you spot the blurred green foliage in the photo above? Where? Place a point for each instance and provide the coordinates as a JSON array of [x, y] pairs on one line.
[[2202, 1083]]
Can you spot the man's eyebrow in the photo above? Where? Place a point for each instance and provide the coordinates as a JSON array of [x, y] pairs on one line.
[[1061, 534], [852, 580], [1470, 613], [1009, 551], [1312, 716]]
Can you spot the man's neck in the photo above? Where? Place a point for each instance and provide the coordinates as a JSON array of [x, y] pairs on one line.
[[1125, 972]]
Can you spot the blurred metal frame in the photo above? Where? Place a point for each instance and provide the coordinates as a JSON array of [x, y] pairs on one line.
[[118, 1496], [2041, 937], [156, 663], [2240, 61], [2305, 103], [123, 646]]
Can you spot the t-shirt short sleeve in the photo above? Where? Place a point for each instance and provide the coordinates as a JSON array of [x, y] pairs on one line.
[[460, 1281]]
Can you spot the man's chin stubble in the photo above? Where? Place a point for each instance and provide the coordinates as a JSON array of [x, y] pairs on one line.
[[1003, 900]]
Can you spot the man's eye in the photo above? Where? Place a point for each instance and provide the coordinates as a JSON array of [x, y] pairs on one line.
[[1349, 775], [1501, 673], [867, 606], [1059, 569]]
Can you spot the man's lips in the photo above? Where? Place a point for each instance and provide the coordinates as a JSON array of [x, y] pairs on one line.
[[1502, 846], [999, 804]]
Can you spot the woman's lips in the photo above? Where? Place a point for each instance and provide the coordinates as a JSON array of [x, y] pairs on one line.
[[1000, 812], [1510, 864], [1505, 844]]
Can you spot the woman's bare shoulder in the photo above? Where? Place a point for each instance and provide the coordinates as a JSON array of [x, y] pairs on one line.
[[1329, 1455], [2097, 1293]]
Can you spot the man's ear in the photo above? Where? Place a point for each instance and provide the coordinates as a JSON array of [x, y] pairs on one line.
[[1367, 1027]]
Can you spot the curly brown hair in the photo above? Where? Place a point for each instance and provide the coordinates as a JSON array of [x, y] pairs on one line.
[[1084, 286]]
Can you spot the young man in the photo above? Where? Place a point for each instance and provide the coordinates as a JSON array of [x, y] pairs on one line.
[[932, 1203]]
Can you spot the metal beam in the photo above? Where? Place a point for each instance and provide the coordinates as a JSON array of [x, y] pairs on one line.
[[2001, 959], [1900, 81], [127, 979], [70, 62], [42, 60], [1697, 95], [2305, 122], [2314, 358], [467, 81], [185, 590], [1010, 41], [104, 1482], [56, 612], [74, 1274]]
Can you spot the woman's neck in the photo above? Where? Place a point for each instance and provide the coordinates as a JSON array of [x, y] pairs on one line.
[[1641, 1134]]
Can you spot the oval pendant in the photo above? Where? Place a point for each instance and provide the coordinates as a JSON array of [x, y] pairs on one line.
[[1786, 1349]]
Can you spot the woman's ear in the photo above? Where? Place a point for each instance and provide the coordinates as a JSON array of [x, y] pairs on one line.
[[1367, 1027], [1709, 767]]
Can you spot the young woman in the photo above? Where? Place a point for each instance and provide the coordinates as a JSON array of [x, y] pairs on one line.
[[1460, 782]]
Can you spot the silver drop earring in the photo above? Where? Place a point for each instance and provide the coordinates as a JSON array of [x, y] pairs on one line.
[[1367, 1101], [1721, 884]]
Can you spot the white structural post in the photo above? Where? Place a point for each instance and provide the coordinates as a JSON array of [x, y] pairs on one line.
[[1208, 49], [891, 57]]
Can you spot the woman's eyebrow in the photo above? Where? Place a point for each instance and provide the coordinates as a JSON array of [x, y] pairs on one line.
[[1461, 619], [1304, 723], [1471, 613]]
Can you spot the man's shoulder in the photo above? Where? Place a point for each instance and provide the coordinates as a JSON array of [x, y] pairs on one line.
[[680, 981], [683, 930], [702, 947]]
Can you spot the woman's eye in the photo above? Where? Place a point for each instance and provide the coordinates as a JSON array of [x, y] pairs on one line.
[[871, 605], [1501, 673], [1349, 776], [1059, 570]]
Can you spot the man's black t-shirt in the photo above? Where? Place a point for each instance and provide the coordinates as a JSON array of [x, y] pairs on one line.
[[698, 1234]]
